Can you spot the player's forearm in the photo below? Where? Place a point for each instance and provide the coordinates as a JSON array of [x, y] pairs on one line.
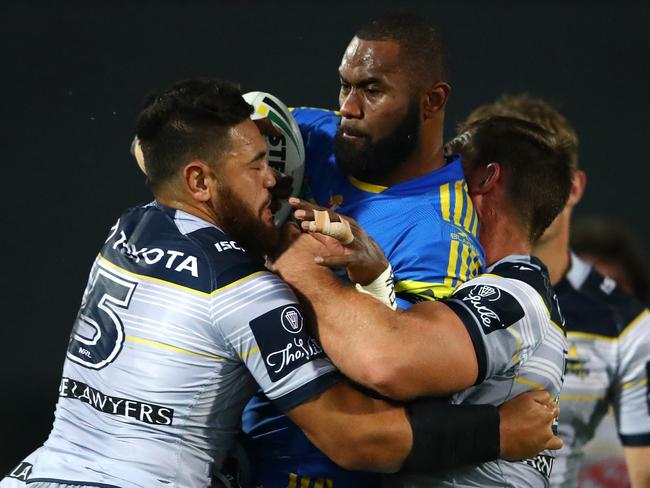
[[358, 432], [350, 326]]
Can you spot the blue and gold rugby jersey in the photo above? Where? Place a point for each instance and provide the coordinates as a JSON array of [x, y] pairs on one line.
[[427, 228], [608, 365], [178, 327]]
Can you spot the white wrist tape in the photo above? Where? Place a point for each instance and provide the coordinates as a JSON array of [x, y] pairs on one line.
[[383, 288], [340, 231]]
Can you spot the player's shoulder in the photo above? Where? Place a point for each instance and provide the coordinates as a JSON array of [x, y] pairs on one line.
[[596, 304], [606, 290], [313, 116], [533, 273], [176, 248]]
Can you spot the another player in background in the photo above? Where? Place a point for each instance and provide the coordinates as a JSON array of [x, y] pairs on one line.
[[496, 336], [181, 322], [615, 251], [380, 160], [608, 330]]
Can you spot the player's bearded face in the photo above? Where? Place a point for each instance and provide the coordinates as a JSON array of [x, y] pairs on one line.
[[247, 225], [368, 159]]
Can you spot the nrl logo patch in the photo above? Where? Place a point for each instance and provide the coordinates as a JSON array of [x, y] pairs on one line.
[[292, 320]]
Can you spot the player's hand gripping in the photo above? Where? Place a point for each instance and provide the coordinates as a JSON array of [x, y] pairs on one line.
[[348, 246], [526, 425]]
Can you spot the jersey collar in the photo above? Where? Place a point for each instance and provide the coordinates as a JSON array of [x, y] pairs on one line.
[[185, 222], [451, 171], [578, 272]]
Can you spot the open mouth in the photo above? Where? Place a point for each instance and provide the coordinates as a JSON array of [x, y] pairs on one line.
[[351, 134]]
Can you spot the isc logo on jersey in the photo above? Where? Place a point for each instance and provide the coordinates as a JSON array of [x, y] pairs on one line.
[[286, 150]]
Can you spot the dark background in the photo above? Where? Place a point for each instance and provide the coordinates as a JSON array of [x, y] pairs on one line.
[[74, 74]]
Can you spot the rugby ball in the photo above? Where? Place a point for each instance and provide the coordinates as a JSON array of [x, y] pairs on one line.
[[286, 150]]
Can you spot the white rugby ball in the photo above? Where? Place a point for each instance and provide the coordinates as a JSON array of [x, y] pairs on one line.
[[286, 151]]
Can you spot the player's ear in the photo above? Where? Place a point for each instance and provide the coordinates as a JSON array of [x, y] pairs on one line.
[[435, 99], [578, 184], [197, 177], [484, 179]]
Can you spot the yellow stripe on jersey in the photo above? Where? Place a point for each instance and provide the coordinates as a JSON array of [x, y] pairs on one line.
[[632, 384], [581, 398], [445, 205], [252, 351], [469, 212], [517, 337], [452, 264], [458, 202], [304, 482], [368, 187], [181, 287], [169, 347], [599, 337], [560, 329], [439, 290], [524, 381], [475, 227], [463, 273], [293, 480]]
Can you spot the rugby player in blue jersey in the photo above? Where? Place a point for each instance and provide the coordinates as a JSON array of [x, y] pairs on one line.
[[496, 336], [609, 332], [380, 160]]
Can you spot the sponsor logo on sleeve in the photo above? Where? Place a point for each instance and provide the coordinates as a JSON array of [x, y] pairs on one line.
[[284, 343], [21, 472], [493, 307]]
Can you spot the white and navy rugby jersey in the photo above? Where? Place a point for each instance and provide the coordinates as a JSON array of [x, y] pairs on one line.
[[608, 365], [513, 319], [177, 328]]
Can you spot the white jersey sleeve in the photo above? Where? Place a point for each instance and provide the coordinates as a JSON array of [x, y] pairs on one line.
[[510, 325], [631, 389], [262, 321]]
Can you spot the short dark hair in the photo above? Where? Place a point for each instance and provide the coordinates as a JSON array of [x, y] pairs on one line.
[[188, 120], [612, 242], [533, 110], [536, 166], [420, 42]]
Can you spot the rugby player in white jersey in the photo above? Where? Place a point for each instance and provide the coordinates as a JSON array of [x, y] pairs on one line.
[[609, 332], [497, 335], [181, 322]]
